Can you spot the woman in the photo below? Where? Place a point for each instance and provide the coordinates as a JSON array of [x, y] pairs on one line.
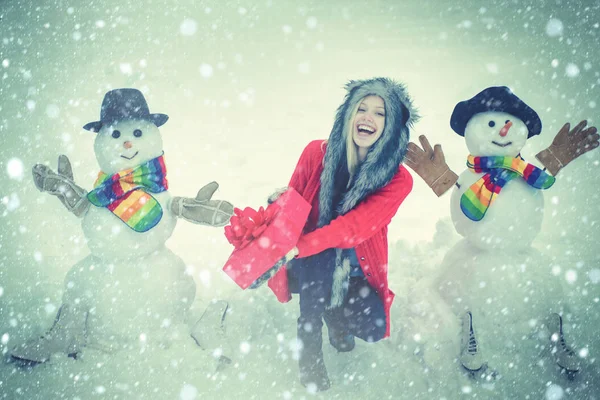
[[355, 183]]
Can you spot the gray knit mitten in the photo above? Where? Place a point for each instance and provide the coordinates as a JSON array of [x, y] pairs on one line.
[[202, 210], [62, 185]]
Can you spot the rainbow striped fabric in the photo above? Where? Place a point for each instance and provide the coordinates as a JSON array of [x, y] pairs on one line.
[[125, 194], [475, 202]]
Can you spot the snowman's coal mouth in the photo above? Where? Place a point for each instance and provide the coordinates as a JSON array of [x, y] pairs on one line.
[[129, 158], [502, 144]]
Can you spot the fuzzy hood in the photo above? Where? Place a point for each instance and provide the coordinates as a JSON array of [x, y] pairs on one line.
[[383, 158]]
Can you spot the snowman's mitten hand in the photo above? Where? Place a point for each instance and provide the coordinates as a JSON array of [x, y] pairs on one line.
[[568, 145], [276, 194], [430, 165], [62, 185], [202, 210]]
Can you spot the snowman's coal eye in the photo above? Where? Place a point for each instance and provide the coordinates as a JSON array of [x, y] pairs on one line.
[[491, 124], [116, 134], [137, 133]]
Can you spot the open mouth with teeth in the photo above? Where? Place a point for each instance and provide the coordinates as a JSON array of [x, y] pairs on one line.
[[129, 158], [502, 144], [365, 129]]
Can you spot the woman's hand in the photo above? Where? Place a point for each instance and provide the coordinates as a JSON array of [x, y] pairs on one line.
[[276, 194]]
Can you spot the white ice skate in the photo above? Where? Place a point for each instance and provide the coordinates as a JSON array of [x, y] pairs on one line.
[[209, 331], [67, 335], [470, 355], [562, 354]]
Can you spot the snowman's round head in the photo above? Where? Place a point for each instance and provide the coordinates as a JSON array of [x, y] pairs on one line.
[[495, 133], [127, 144]]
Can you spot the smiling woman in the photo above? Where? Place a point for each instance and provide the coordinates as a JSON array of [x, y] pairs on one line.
[[355, 183]]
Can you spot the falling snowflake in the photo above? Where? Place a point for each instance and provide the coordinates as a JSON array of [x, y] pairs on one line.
[[554, 392], [188, 27], [50, 308], [571, 276], [188, 392], [15, 168], [594, 275], [554, 27], [126, 68], [572, 70], [492, 68], [52, 111], [206, 70], [245, 347], [304, 68]]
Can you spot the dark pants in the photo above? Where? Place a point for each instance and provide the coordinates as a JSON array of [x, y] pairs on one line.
[[361, 314]]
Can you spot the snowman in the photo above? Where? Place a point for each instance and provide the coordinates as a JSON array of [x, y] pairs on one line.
[[131, 287], [497, 205]]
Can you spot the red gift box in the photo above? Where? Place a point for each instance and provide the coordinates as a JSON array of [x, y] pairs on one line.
[[263, 238]]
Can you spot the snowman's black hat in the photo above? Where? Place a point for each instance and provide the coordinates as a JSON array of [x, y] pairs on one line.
[[495, 98], [121, 104]]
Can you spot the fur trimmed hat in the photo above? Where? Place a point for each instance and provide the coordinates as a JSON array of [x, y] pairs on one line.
[[384, 156]]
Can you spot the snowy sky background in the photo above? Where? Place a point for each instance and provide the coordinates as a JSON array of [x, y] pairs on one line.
[[247, 84]]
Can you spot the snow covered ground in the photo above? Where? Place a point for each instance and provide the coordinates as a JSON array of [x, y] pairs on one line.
[[418, 361], [246, 86]]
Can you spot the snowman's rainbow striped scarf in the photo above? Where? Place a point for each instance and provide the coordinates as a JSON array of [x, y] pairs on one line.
[[125, 194], [499, 170]]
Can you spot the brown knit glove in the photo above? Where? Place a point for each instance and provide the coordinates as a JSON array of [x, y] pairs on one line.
[[430, 165], [567, 146]]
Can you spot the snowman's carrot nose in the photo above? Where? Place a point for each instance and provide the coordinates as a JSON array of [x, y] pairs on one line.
[[505, 128], [128, 144]]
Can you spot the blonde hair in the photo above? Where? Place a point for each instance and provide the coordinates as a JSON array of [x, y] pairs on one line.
[[351, 147]]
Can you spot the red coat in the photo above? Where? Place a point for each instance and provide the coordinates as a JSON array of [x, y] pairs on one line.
[[364, 227]]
